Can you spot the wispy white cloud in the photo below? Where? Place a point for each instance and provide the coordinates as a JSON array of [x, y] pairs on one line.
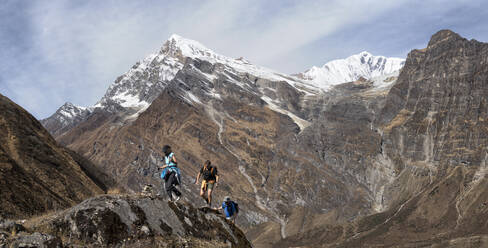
[[57, 51]]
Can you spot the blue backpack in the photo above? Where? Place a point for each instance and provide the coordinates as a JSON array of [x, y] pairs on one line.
[[230, 209], [172, 167]]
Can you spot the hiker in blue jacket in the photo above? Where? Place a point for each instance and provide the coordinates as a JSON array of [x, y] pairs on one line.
[[171, 174], [231, 209]]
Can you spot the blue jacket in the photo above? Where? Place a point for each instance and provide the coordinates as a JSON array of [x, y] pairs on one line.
[[230, 209]]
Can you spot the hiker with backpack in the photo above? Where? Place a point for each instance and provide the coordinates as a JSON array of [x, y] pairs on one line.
[[210, 178], [231, 209], [171, 174]]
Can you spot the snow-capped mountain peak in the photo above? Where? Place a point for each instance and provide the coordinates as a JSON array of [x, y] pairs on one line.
[[69, 110], [138, 87], [66, 116], [351, 68]]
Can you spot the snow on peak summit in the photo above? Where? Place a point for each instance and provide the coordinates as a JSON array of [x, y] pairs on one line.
[[66, 116], [188, 48], [352, 68], [138, 87], [181, 48], [70, 110]]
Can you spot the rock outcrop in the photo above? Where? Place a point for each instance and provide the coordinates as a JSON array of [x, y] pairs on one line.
[[131, 221]]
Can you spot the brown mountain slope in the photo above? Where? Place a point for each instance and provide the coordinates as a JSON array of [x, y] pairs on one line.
[[132, 151], [36, 174]]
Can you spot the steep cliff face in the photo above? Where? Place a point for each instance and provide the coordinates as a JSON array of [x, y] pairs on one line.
[[439, 103], [432, 141], [435, 115], [36, 174]]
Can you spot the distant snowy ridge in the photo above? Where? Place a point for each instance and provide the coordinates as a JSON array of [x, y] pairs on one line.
[[351, 69], [69, 111], [66, 116]]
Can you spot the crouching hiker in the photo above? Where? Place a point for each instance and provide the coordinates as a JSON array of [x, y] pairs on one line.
[[231, 209], [210, 179], [171, 174]]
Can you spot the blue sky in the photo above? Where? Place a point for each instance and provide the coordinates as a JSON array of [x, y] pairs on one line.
[[54, 51]]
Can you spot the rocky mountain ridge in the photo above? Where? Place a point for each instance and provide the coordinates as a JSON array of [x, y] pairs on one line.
[[133, 92]]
